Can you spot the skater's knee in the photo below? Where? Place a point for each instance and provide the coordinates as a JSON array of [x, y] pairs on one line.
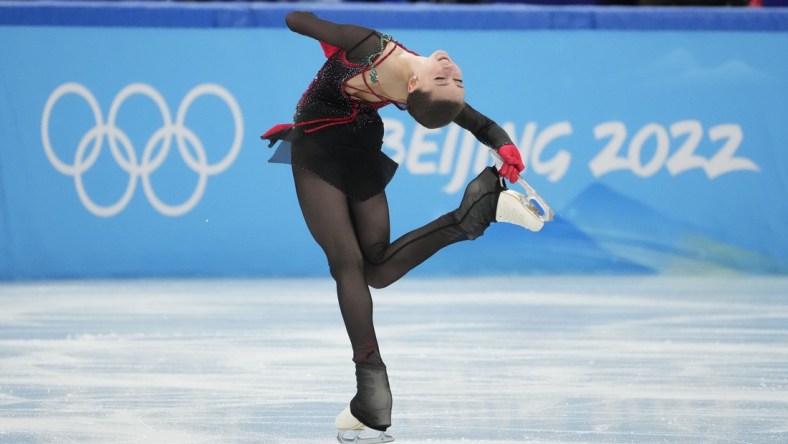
[[345, 265], [377, 280], [344, 269], [375, 268], [377, 277], [377, 284]]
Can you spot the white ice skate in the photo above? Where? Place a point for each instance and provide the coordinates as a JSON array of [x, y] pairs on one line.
[[514, 208], [351, 430], [529, 210]]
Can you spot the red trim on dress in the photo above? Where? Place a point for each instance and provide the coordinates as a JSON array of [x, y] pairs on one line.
[[328, 49]]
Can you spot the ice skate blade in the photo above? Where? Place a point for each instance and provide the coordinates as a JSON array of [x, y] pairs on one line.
[[364, 437], [346, 421], [544, 212], [513, 208]]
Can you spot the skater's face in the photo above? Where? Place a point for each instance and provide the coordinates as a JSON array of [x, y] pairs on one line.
[[440, 77]]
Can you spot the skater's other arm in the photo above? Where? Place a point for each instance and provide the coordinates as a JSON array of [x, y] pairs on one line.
[[483, 128], [352, 38], [491, 134]]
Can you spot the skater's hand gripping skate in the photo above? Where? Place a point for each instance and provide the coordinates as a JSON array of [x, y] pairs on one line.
[[512, 163], [536, 204]]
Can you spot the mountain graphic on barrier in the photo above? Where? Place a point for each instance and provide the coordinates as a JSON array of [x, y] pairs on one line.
[[600, 232], [631, 231], [560, 247]]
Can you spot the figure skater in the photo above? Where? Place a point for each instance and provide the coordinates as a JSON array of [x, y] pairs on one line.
[[340, 176]]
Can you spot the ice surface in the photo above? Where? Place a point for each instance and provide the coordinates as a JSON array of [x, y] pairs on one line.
[[543, 360]]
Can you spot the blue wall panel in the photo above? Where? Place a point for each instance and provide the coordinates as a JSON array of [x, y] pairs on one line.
[[129, 138]]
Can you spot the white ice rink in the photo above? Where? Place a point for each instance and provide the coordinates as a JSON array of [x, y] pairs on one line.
[[542, 360]]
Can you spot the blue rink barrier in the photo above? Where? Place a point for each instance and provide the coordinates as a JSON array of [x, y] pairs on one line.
[[426, 16], [129, 137]]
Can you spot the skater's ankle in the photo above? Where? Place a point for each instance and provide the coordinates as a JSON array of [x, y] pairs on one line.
[[469, 229], [369, 359], [478, 205]]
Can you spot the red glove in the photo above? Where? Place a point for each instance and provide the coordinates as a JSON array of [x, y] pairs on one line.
[[512, 162]]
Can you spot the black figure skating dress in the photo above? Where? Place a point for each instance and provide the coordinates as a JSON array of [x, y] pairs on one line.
[[339, 137], [334, 135]]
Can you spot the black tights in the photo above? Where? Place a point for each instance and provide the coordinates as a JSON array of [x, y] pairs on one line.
[[355, 238]]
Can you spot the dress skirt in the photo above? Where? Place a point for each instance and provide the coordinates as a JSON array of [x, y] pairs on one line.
[[348, 157]]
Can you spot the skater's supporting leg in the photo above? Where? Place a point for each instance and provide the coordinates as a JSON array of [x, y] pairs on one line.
[[327, 215]]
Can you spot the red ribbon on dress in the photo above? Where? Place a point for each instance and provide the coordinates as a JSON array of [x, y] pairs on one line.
[[328, 49]]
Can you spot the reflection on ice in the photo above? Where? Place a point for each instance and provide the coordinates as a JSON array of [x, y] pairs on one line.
[[636, 360]]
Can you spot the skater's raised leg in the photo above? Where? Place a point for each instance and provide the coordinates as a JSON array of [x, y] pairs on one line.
[[485, 201]]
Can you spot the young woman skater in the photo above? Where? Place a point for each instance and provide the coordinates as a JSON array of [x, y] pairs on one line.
[[340, 176]]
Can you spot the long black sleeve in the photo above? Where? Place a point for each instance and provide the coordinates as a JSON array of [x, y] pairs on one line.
[[486, 131], [352, 38]]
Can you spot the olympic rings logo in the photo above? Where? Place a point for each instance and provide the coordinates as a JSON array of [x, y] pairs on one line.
[[91, 144]]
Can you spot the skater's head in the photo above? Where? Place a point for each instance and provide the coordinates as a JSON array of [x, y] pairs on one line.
[[435, 92]]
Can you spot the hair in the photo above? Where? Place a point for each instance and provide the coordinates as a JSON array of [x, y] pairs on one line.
[[432, 113]]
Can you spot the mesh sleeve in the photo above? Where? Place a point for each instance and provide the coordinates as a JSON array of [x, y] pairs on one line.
[[358, 41], [482, 127]]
